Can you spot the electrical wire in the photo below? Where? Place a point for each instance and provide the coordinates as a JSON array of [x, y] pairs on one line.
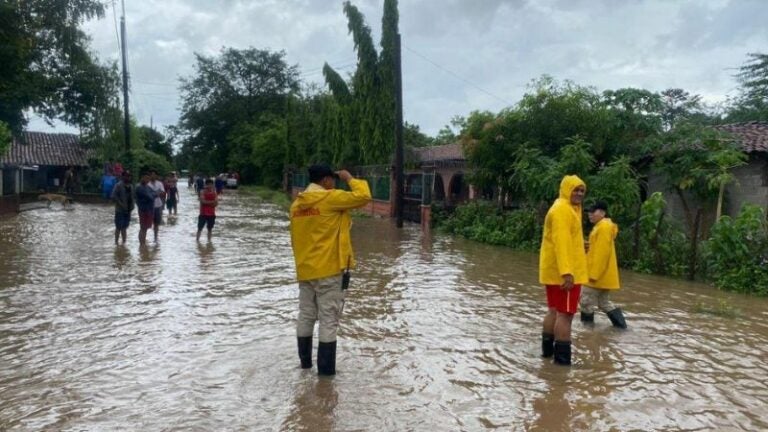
[[461, 78]]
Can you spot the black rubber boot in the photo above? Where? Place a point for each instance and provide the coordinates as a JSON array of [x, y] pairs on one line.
[[305, 351], [326, 358], [547, 345], [617, 318], [563, 353], [588, 318]]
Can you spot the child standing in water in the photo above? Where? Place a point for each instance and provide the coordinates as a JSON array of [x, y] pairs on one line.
[[209, 199], [603, 268]]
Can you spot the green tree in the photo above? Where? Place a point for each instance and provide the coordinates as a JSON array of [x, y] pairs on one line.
[[47, 66], [237, 86], [5, 138], [155, 142], [752, 102]]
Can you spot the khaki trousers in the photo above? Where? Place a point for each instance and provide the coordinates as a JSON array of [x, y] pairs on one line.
[[593, 298], [320, 300]]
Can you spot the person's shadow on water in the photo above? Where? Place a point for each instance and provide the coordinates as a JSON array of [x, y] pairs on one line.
[[553, 410], [313, 407]]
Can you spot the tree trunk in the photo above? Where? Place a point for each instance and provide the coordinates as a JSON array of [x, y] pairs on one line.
[[655, 245], [720, 197], [692, 260]]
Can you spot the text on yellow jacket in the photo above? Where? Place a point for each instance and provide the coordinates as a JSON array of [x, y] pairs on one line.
[[320, 228], [601, 258], [562, 243]]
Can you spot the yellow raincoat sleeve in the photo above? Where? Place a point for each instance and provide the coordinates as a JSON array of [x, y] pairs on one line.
[[562, 238], [359, 196], [600, 250]]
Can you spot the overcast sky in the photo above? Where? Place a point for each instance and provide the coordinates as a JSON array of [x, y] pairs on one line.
[[458, 55]]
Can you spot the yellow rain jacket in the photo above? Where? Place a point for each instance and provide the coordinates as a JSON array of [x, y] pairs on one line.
[[601, 258], [320, 225], [562, 244]]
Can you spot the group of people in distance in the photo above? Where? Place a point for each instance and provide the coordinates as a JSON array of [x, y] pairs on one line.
[[320, 236], [151, 195]]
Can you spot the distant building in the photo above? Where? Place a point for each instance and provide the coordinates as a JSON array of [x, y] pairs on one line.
[[38, 161]]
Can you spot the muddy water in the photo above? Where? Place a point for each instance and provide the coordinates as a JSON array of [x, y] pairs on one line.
[[438, 334]]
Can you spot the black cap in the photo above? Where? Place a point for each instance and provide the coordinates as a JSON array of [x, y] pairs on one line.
[[598, 205], [319, 172]]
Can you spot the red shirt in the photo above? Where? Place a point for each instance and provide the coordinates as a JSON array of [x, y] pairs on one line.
[[208, 209]]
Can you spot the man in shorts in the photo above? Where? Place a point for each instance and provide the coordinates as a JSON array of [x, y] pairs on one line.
[[562, 268], [145, 201], [159, 189], [122, 195], [209, 199]]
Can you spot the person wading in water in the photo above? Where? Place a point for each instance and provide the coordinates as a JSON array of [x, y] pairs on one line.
[[603, 268], [562, 268], [322, 249]]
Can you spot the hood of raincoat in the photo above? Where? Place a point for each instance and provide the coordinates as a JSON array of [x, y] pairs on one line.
[[567, 185], [562, 244], [311, 196]]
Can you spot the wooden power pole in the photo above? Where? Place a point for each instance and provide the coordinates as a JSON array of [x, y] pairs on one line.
[[399, 175], [126, 121]]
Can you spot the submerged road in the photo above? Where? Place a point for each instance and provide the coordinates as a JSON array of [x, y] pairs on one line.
[[439, 334]]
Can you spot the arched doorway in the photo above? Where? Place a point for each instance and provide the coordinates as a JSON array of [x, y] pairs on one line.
[[439, 189], [458, 189]]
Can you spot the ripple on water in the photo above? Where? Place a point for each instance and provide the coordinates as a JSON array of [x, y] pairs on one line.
[[438, 334]]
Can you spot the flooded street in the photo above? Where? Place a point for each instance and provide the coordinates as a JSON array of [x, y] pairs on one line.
[[438, 334]]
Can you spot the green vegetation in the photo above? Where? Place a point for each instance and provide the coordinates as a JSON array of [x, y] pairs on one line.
[[721, 309], [245, 110], [277, 197], [615, 141]]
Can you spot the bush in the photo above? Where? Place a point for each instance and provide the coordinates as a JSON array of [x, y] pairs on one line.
[[483, 222], [736, 254], [663, 245], [142, 160]]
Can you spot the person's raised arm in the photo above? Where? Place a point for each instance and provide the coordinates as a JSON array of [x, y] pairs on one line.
[[358, 196]]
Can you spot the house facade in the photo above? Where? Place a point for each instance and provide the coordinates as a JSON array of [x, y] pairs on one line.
[[37, 161]]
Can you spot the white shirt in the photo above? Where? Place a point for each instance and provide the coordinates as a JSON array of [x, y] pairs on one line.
[[159, 189]]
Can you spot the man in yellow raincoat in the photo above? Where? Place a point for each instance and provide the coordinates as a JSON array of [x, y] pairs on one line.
[[562, 267], [603, 268], [322, 249]]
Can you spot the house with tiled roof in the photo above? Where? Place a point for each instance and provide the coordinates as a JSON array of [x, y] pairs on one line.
[[38, 161], [751, 186], [751, 180]]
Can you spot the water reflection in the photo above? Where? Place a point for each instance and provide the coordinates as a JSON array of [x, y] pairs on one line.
[[313, 407]]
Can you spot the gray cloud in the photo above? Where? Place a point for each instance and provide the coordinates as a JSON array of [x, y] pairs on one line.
[[496, 47]]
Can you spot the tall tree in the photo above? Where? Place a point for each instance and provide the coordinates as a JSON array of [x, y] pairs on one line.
[[46, 63]]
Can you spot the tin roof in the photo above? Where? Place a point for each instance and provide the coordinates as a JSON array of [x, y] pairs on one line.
[[40, 148], [752, 136]]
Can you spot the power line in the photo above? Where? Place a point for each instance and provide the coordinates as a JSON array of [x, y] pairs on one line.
[[444, 69]]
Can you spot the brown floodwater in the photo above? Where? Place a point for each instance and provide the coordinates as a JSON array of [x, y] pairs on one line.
[[439, 334]]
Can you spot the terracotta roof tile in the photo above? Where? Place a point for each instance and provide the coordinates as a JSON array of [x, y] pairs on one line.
[[39, 148], [753, 136], [440, 153]]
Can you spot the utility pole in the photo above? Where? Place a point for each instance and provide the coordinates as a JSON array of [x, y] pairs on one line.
[[126, 122], [399, 176]]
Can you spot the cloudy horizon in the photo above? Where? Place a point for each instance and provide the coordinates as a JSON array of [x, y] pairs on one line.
[[458, 56]]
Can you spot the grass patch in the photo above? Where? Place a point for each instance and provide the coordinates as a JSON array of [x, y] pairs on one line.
[[266, 194], [722, 309]]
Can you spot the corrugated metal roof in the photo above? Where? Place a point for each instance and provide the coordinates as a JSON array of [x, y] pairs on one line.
[[440, 153], [753, 136], [40, 148]]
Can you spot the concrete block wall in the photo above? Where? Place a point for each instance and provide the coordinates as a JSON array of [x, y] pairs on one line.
[[752, 187]]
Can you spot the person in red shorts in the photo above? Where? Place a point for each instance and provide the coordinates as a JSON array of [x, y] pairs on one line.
[[562, 268], [209, 199], [145, 201]]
